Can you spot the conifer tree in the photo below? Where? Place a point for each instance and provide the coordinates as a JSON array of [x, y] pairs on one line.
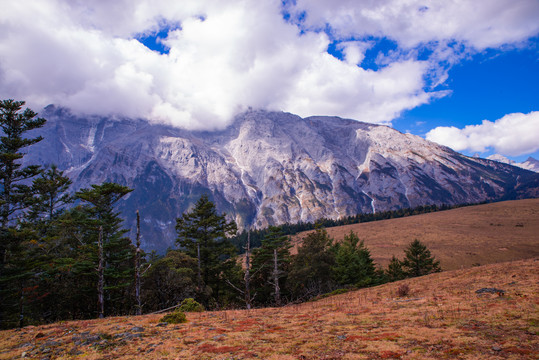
[[419, 261], [169, 280], [271, 264], [42, 248], [118, 252], [73, 277], [310, 269], [394, 270], [50, 195], [15, 196], [202, 233], [353, 263]]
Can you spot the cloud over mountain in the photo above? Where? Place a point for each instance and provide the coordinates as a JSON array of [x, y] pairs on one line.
[[514, 134], [223, 57]]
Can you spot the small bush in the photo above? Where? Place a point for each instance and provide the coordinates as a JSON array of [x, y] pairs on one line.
[[334, 292], [403, 290], [190, 305], [339, 291], [175, 317]]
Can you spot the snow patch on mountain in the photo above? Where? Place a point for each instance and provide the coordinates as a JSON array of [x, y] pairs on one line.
[[531, 163]]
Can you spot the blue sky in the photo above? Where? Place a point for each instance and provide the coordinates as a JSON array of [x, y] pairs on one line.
[[461, 73], [487, 86]]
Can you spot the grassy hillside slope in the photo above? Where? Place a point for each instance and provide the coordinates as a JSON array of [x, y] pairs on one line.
[[459, 238], [442, 317]]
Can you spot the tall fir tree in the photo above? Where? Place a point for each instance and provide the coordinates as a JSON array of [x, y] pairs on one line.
[[43, 248], [50, 195], [74, 274], [310, 269], [118, 251], [15, 197], [418, 260], [270, 266], [15, 194], [169, 280], [394, 270], [202, 234], [353, 263]]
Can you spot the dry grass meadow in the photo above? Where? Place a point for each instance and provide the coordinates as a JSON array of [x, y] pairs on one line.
[[459, 238], [442, 316]]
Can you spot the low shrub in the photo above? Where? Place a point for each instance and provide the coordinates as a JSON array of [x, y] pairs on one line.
[[190, 305], [339, 291], [175, 317], [403, 290]]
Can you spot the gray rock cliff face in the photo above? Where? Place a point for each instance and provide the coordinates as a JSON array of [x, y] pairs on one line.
[[265, 168]]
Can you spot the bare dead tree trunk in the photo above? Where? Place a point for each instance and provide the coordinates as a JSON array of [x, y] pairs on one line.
[[247, 276], [246, 292], [137, 269], [21, 308], [277, 289], [101, 275]]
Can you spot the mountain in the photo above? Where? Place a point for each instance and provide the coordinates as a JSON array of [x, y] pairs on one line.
[[530, 163], [267, 168]]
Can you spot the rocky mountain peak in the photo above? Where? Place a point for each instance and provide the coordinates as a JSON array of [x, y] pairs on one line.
[[265, 168]]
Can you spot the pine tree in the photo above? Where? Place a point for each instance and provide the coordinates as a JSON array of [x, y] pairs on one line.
[[138, 258], [169, 280], [202, 233], [118, 252], [50, 195], [353, 263], [15, 196], [310, 269], [42, 247], [419, 261], [270, 265], [73, 276], [394, 270]]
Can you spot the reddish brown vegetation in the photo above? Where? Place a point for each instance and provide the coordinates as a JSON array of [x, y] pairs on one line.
[[442, 318]]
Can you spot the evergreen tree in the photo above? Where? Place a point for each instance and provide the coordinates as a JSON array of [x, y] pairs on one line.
[[394, 270], [202, 234], [169, 280], [118, 252], [310, 269], [72, 276], [15, 196], [270, 265], [419, 261], [50, 195], [42, 247], [353, 263]]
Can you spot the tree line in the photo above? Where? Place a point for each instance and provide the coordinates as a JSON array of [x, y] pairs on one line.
[[65, 255], [257, 235]]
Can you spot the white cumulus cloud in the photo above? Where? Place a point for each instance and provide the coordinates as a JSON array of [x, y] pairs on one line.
[[512, 135], [481, 24], [227, 56]]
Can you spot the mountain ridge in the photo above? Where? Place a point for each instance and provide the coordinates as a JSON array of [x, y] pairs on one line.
[[266, 168], [530, 163]]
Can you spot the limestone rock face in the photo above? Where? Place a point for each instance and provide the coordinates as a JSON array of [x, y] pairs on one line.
[[266, 168]]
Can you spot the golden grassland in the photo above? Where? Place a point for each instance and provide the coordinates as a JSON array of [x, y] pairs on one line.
[[459, 238], [442, 317]]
